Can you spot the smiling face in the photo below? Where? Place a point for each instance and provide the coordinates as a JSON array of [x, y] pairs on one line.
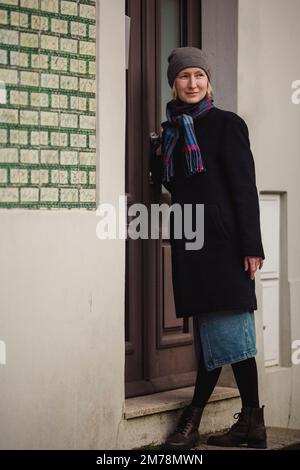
[[191, 85]]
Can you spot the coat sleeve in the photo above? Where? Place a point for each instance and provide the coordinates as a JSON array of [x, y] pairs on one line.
[[156, 168], [240, 173]]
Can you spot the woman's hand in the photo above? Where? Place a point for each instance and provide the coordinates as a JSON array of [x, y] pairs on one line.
[[251, 263]]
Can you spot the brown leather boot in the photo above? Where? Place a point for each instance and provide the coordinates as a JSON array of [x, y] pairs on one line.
[[186, 434], [249, 429]]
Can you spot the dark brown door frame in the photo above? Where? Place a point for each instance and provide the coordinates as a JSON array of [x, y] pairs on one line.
[[133, 285]]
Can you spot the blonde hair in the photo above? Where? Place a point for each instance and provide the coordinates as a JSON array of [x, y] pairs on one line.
[[209, 90]]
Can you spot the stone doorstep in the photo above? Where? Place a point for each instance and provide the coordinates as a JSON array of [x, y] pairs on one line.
[[139, 407], [170, 400], [278, 439]]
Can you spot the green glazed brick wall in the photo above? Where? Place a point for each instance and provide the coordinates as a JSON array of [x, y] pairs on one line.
[[47, 104]]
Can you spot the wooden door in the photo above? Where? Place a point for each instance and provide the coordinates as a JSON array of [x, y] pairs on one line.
[[159, 347]]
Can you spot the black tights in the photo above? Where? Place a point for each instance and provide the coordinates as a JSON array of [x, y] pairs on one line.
[[245, 374]]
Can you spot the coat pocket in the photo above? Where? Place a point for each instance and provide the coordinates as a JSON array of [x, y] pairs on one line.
[[215, 229]]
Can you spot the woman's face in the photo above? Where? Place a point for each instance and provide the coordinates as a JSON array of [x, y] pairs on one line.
[[191, 85]]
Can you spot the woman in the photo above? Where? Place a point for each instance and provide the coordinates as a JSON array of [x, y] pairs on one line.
[[206, 159]]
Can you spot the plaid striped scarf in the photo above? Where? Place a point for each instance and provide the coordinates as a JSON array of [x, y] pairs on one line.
[[182, 114]]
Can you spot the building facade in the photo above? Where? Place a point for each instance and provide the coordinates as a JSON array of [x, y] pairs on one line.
[[87, 327]]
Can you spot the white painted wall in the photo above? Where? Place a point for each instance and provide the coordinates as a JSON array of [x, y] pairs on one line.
[[62, 294], [268, 63]]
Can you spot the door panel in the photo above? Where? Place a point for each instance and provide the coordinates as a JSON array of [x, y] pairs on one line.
[[133, 288], [171, 25]]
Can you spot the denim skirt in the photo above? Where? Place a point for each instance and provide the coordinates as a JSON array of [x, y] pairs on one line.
[[225, 337]]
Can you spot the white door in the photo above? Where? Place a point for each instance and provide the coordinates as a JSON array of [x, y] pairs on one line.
[[270, 227]]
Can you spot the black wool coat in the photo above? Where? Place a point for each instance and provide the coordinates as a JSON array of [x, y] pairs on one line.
[[213, 278]]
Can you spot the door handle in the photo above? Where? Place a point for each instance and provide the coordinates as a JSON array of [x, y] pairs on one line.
[[154, 140]]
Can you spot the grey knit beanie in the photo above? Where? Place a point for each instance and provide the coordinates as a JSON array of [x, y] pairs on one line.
[[183, 57]]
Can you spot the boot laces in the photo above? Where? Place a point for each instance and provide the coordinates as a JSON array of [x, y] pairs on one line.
[[184, 426], [237, 416], [184, 423]]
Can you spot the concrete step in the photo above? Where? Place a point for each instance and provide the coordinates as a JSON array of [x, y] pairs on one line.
[[150, 418]]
